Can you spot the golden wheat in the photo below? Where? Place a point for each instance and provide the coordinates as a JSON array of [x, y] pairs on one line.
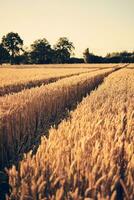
[[17, 79], [81, 65], [131, 66], [24, 115], [89, 156], [129, 138]]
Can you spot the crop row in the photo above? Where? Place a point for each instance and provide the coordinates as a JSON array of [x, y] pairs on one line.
[[90, 155], [14, 80], [26, 114]]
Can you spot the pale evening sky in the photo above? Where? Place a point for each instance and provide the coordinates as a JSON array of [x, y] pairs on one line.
[[102, 25]]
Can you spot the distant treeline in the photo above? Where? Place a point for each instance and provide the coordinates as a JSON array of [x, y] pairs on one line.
[[115, 57], [41, 52]]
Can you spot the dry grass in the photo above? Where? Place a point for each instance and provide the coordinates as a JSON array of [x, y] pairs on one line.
[[89, 156], [25, 114]]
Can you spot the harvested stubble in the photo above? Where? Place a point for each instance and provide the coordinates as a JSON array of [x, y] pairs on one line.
[[90, 155], [26, 114], [15, 80]]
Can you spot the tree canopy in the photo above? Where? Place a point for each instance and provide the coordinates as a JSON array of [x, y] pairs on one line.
[[63, 50], [4, 55], [13, 43], [41, 52]]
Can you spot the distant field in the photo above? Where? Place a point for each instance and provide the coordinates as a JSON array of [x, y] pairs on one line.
[[15, 78], [131, 66], [82, 65]]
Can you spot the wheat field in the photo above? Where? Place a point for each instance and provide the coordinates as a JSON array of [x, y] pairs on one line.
[[16, 78], [131, 66], [26, 114], [89, 154], [13, 79], [63, 66]]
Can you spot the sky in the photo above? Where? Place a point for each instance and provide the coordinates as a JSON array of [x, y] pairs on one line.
[[103, 26]]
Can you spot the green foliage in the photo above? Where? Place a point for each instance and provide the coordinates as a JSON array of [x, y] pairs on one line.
[[63, 50], [13, 43], [4, 55], [11, 50], [41, 52], [120, 57]]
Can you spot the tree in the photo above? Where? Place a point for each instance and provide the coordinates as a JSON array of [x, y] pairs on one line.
[[41, 52], [86, 55], [4, 55], [63, 50], [26, 57], [13, 43]]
